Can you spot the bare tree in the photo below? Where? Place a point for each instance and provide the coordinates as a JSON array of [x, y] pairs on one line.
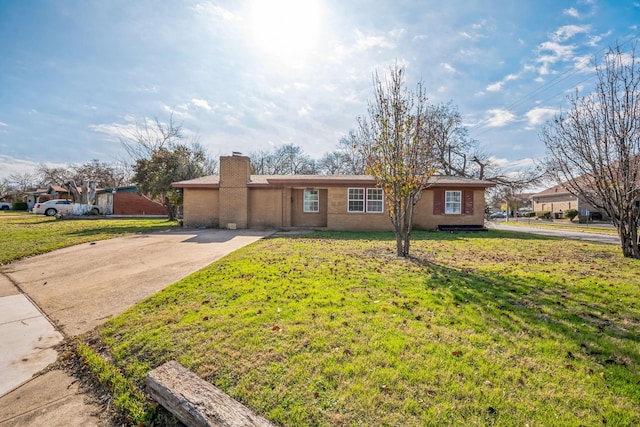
[[396, 144], [333, 163], [452, 149], [594, 148], [287, 159], [20, 182], [162, 155], [149, 137]]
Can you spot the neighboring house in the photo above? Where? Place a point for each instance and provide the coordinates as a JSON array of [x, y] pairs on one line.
[[43, 194], [126, 200], [558, 200], [237, 199], [58, 192]]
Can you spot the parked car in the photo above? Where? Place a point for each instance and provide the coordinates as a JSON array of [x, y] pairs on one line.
[[5, 206], [497, 215], [61, 206]]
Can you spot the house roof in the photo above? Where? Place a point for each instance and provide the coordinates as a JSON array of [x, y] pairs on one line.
[[257, 181], [556, 189]]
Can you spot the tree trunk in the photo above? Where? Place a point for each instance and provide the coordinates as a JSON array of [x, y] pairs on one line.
[[171, 210], [628, 233], [399, 244]]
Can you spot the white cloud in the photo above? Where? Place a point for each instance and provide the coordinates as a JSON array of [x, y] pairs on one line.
[[10, 165], [2, 124], [397, 32], [495, 87], [568, 31], [304, 111], [499, 117], [201, 103], [364, 42], [114, 131], [572, 11], [556, 53], [539, 115], [148, 89], [512, 167], [448, 67], [214, 12]]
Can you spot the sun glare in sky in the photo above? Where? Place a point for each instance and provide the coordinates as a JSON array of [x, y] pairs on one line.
[[286, 30]]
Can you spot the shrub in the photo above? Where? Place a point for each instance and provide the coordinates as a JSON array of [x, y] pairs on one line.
[[571, 214], [528, 214], [544, 214], [20, 206]]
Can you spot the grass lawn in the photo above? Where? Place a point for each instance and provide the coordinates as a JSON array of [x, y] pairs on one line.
[[333, 329], [23, 234]]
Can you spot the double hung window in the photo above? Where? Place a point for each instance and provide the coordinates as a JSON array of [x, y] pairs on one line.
[[311, 201], [453, 202], [369, 200]]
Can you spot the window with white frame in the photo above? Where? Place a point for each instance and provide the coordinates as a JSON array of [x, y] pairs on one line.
[[311, 201], [368, 200], [453, 202], [355, 202], [375, 199]]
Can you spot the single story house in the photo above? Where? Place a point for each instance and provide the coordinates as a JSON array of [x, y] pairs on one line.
[[125, 200], [237, 199], [558, 199]]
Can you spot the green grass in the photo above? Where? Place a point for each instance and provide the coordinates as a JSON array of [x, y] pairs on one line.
[[330, 329], [125, 395], [23, 235]]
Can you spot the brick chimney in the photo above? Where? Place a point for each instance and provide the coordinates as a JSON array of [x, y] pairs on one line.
[[235, 172]]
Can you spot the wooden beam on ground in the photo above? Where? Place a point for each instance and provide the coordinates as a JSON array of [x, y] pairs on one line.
[[197, 403]]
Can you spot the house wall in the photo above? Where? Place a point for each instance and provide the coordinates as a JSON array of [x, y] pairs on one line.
[[339, 219], [235, 172], [130, 203], [265, 208], [425, 219], [555, 203], [299, 218], [201, 207]]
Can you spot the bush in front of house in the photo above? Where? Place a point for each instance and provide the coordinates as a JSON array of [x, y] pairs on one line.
[[19, 206], [528, 214], [543, 214], [571, 214]]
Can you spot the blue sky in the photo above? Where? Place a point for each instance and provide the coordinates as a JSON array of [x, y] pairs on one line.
[[77, 74]]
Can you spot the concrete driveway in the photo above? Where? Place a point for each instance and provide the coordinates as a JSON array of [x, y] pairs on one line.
[[80, 287]]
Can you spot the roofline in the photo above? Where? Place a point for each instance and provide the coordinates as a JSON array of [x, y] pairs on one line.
[[324, 182]]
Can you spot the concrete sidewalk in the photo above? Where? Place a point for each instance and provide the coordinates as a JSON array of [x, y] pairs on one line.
[[27, 337], [79, 288]]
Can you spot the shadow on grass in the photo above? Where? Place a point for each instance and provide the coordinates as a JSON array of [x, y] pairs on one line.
[[601, 331], [419, 235]]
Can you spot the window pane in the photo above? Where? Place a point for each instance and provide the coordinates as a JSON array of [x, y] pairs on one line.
[[375, 200], [355, 202], [311, 201], [453, 202]]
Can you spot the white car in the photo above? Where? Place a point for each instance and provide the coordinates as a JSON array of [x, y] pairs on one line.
[[54, 207], [5, 206], [62, 206]]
